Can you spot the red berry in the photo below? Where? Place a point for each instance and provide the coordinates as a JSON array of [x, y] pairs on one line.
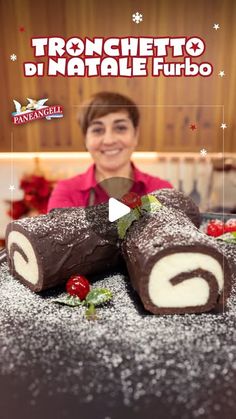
[[230, 225], [132, 200], [215, 228], [78, 285]]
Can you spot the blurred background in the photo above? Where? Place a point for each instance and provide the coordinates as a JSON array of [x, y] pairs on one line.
[[169, 145]]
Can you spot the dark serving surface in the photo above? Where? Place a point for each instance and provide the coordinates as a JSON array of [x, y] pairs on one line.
[[127, 364]]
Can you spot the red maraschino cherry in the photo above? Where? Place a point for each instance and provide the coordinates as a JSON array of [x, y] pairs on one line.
[[78, 285], [132, 200], [230, 225], [215, 228]]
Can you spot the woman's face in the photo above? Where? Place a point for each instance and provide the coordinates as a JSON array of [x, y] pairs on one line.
[[111, 140]]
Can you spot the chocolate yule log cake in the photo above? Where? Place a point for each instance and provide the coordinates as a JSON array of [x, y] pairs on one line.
[[178, 200], [173, 266], [44, 251]]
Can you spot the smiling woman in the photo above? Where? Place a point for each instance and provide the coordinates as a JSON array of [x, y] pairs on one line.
[[111, 140], [110, 124]]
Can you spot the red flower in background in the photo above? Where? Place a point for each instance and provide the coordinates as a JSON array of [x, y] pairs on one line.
[[36, 185], [18, 208], [37, 191]]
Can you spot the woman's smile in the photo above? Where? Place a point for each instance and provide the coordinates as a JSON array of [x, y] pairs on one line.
[[111, 152]]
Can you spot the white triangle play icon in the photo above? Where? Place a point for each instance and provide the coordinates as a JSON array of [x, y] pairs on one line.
[[117, 209]]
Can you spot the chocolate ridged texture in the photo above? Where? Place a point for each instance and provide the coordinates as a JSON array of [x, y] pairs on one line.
[[164, 233], [64, 244], [178, 200], [75, 240]]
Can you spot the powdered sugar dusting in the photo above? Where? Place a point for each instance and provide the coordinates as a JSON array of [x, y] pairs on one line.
[[172, 198], [64, 222], [187, 362], [166, 228]]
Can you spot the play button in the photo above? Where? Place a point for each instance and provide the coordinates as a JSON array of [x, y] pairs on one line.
[[116, 209], [109, 194]]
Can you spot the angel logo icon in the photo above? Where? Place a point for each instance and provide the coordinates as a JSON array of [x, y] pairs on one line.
[[35, 109]]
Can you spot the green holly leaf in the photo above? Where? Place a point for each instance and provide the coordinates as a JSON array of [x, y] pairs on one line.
[[69, 300], [90, 313], [125, 222], [150, 203], [228, 237], [98, 296]]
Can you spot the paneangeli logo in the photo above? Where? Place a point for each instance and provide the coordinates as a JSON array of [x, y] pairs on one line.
[[35, 109]]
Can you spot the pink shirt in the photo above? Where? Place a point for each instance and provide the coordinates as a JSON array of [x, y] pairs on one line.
[[75, 192]]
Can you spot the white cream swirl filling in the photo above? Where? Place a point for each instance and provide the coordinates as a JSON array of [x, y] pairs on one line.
[[193, 291]]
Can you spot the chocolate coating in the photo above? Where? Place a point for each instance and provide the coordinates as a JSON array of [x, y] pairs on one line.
[[64, 244], [172, 198], [164, 233]]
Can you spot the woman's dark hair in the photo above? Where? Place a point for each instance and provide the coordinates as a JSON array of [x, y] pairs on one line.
[[102, 104]]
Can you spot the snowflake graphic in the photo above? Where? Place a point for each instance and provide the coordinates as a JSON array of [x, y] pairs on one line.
[[13, 57], [137, 17], [12, 188], [221, 73], [203, 152], [223, 125]]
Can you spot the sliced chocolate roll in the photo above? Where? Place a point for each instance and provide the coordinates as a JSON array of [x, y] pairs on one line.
[[46, 250], [174, 199], [174, 268]]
